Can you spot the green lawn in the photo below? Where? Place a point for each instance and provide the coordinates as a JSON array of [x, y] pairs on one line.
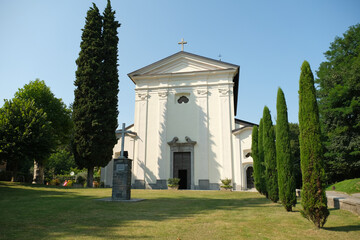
[[347, 186], [28, 212]]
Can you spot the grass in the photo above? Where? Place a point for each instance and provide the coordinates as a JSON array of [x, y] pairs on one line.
[[347, 186], [31, 212]]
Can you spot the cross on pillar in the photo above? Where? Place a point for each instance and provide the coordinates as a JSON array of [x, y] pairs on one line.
[[182, 44], [123, 134]]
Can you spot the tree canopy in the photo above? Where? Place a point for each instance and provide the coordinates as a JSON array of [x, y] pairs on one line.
[[56, 111], [58, 115], [339, 104], [25, 133]]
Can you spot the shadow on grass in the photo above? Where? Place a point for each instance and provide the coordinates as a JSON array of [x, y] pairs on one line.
[[348, 228], [39, 212]]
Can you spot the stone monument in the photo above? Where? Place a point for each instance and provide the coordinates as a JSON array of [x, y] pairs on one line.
[[121, 189]]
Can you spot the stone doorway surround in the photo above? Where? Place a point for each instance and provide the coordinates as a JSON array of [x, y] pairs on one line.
[[245, 184], [249, 177], [187, 146]]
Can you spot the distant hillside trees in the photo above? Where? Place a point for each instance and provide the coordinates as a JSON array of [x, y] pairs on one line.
[[286, 178], [339, 104], [313, 197]]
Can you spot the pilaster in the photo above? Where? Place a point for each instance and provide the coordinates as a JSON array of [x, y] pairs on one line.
[[202, 163], [225, 126], [141, 116], [163, 159]]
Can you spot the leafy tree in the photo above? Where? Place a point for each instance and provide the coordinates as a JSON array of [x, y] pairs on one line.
[[270, 157], [313, 197], [286, 179], [25, 133], [56, 111], [95, 107], [57, 114], [295, 152], [339, 105]]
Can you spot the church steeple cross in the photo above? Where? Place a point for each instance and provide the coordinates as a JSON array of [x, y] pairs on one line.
[[182, 44]]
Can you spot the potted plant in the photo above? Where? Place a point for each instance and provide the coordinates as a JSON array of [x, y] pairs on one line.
[[226, 185], [173, 183]]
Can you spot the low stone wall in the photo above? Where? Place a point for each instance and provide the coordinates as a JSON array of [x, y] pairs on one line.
[[343, 203], [340, 201]]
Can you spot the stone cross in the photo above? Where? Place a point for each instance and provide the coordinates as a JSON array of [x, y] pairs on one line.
[[182, 44], [123, 133]]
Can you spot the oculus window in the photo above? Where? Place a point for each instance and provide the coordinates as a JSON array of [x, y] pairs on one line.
[[183, 99]]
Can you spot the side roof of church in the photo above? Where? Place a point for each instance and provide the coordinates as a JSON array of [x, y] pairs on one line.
[[187, 63]]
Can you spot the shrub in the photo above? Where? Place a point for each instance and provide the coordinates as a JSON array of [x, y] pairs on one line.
[[55, 182], [70, 183], [226, 183], [63, 178], [96, 184], [81, 180], [173, 182]]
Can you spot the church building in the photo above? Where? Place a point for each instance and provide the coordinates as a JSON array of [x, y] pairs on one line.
[[185, 125]]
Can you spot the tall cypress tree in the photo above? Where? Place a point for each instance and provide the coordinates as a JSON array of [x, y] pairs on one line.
[[270, 157], [313, 197], [262, 179], [255, 157], [286, 178], [87, 108], [109, 85]]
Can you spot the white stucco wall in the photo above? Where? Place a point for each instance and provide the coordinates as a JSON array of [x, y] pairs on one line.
[[208, 119]]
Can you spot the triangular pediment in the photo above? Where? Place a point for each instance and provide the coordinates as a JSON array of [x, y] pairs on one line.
[[182, 62]]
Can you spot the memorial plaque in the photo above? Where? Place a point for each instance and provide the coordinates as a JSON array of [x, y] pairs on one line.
[[120, 167]]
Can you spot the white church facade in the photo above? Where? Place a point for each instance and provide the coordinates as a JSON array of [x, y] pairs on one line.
[[185, 107]]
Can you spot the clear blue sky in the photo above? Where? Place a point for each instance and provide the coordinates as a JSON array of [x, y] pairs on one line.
[[268, 39]]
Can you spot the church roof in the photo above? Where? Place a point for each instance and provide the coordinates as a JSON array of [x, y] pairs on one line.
[[245, 126], [246, 123], [188, 63]]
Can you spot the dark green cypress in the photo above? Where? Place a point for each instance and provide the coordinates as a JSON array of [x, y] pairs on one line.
[[270, 157], [262, 179], [313, 197], [109, 86], [87, 107], [286, 178], [255, 157]]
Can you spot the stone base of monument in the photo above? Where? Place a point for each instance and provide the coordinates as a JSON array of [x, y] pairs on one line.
[[121, 189], [112, 200]]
